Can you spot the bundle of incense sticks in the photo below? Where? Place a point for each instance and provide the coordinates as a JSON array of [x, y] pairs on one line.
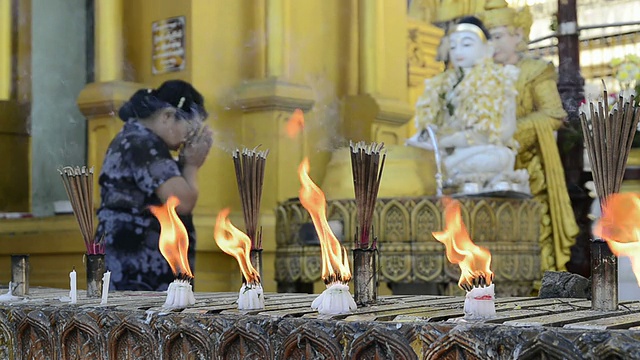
[[367, 166], [608, 135], [78, 182], [249, 166]]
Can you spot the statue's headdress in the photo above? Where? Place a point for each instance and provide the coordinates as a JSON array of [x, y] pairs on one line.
[[473, 25], [498, 13]]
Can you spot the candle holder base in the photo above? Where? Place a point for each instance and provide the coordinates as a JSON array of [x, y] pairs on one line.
[[365, 276], [20, 275], [604, 277], [95, 271]]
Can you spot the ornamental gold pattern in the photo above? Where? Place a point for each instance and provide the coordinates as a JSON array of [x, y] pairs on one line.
[[509, 228]]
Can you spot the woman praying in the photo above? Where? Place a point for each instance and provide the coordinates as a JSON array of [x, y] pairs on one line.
[[139, 171]]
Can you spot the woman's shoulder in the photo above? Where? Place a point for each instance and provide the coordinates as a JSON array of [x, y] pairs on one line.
[[137, 143]]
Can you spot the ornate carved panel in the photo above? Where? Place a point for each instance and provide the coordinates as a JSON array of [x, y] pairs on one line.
[[551, 346], [244, 341], [483, 222], [428, 262], [381, 344], [394, 218], [408, 251], [34, 341], [455, 345], [395, 262], [132, 339], [311, 264], [283, 234], [81, 339], [425, 218], [311, 342], [6, 339]]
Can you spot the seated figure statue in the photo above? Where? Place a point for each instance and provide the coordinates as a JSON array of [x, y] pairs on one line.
[[472, 109]]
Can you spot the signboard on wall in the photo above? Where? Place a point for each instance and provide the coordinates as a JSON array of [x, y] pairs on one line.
[[168, 50]]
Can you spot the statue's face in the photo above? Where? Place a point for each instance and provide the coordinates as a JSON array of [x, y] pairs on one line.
[[505, 44], [465, 49]]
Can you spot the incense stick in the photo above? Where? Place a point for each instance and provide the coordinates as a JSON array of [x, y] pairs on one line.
[[249, 167], [366, 166], [78, 183], [608, 134]]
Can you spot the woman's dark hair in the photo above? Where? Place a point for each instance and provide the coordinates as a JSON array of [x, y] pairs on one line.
[[172, 93], [477, 22]]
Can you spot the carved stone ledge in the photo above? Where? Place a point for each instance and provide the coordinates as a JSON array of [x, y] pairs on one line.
[[509, 228], [134, 326]]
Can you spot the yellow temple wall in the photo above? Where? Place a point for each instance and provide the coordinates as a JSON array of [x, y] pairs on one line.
[[254, 62]]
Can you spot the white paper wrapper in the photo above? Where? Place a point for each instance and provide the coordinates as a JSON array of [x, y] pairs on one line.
[[251, 297], [335, 300], [480, 303], [179, 294]]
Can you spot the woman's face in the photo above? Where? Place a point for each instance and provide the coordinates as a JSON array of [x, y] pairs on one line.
[[505, 45], [465, 49], [173, 130]]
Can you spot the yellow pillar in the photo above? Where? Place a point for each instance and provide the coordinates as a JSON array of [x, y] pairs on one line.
[[99, 101], [108, 40], [278, 17], [383, 67], [380, 110], [6, 25], [15, 144]]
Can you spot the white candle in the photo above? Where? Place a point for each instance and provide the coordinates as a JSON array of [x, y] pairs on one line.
[[73, 294], [105, 287]]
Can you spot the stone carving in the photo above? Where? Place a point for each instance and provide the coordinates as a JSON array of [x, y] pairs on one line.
[[81, 339], [381, 343], [245, 340], [34, 341], [550, 346], [136, 330], [408, 253], [453, 346], [311, 342], [6, 339], [186, 340], [132, 339]]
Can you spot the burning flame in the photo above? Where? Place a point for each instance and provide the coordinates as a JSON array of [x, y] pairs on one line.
[[174, 239], [235, 243], [619, 226], [335, 262], [295, 123], [474, 261]]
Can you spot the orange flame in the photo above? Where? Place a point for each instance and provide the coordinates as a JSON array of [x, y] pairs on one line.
[[234, 242], [174, 239], [619, 226], [295, 123], [474, 261], [335, 263]]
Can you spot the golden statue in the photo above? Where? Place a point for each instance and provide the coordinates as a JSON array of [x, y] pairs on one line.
[[539, 113]]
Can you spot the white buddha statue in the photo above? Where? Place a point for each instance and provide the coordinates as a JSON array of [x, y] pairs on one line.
[[472, 108]]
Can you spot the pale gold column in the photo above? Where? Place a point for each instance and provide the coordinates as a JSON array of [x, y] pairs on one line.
[[372, 26], [278, 23], [108, 40], [383, 44], [5, 49]]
